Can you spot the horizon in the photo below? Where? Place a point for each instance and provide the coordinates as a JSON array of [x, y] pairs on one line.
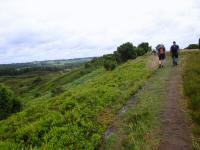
[[36, 30], [63, 59]]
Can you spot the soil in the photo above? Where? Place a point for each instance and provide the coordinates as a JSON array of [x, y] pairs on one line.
[[175, 130]]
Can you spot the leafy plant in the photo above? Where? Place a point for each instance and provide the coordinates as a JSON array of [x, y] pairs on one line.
[[8, 102], [110, 65]]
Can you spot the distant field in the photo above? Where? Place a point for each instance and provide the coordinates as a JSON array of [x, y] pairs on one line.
[[51, 65]]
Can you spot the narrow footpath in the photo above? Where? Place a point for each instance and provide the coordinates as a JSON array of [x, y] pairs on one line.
[[160, 122], [175, 130]]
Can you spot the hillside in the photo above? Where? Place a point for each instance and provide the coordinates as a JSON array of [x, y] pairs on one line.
[[135, 106], [78, 117]]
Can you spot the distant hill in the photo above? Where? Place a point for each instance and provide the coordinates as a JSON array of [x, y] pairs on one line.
[[48, 65]]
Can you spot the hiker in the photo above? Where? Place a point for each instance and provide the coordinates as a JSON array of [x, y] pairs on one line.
[[174, 50], [161, 54]]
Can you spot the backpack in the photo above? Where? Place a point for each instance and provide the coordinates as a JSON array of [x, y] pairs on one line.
[[161, 50]]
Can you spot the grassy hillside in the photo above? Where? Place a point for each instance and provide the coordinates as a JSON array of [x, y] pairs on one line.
[[77, 118]]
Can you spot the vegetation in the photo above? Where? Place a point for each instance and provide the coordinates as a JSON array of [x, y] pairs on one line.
[[41, 66], [109, 65], [70, 109], [192, 46], [123, 53], [57, 91], [8, 102], [138, 127], [191, 89], [78, 117], [199, 43]]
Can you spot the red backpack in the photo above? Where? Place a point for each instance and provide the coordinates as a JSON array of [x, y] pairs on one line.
[[162, 51]]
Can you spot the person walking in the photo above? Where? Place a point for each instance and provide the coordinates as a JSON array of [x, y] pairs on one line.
[[174, 50], [161, 54]]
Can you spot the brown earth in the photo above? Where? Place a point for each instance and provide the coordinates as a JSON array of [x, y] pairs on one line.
[[175, 130]]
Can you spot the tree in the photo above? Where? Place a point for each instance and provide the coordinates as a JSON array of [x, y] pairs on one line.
[[140, 51], [192, 46], [125, 51], [199, 43], [144, 46], [8, 102], [109, 65]]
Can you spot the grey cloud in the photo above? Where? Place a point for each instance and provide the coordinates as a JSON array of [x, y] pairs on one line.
[[68, 29]]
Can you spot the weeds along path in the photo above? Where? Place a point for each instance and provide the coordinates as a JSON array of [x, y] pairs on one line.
[[175, 130], [152, 118], [136, 126]]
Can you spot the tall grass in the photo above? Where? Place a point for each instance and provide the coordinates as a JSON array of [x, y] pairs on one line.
[[192, 90]]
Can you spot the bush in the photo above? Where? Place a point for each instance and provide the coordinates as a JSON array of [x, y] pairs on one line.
[[125, 51], [8, 102], [192, 46], [140, 51], [109, 65], [144, 47]]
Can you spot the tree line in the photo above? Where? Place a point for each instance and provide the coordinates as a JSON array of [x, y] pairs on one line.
[[15, 70], [123, 53]]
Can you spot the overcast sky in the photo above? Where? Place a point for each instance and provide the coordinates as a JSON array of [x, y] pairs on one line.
[[61, 29]]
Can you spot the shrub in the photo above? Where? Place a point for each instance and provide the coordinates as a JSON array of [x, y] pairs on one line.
[[145, 47], [140, 51], [192, 46], [125, 51], [8, 102], [110, 65]]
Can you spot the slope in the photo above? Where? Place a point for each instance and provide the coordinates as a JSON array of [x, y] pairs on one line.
[[77, 118]]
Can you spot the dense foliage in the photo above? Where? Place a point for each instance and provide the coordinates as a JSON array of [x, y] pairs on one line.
[[192, 46], [77, 118], [123, 53], [191, 89], [8, 102]]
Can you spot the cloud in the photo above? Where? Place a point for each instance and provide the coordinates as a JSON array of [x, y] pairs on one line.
[[56, 29]]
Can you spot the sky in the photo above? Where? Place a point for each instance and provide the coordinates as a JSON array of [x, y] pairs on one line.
[[33, 30]]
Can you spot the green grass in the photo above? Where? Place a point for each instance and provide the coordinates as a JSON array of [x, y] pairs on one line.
[[37, 87], [77, 118], [138, 129], [192, 91]]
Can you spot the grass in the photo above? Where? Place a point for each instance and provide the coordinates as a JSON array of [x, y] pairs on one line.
[[192, 91], [77, 118], [138, 128]]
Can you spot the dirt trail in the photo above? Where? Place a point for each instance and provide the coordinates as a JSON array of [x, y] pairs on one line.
[[175, 131]]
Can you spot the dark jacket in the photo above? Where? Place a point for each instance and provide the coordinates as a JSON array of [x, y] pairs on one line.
[[174, 49]]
